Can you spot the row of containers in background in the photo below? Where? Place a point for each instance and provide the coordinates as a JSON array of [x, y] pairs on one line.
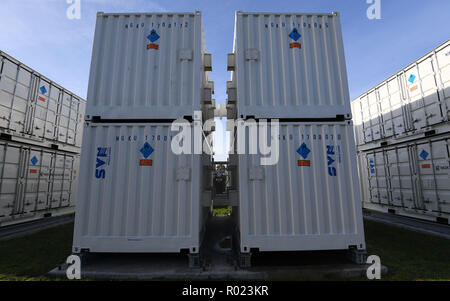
[[137, 196], [402, 133], [41, 130]]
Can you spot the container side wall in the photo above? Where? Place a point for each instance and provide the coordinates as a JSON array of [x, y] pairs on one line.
[[413, 101], [35, 181], [146, 66], [33, 107], [285, 62], [310, 200], [137, 196], [412, 176]]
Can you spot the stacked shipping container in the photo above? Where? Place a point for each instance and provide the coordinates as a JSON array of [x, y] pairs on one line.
[[138, 196], [402, 127], [291, 67], [41, 126]]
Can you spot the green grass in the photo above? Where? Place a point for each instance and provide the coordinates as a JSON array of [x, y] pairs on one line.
[[408, 255], [30, 258], [225, 211]]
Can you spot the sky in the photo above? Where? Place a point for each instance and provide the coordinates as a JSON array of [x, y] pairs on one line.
[[39, 34]]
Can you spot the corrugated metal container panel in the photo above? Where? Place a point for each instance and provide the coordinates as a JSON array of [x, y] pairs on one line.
[[310, 200], [415, 99], [147, 66], [413, 175], [443, 76], [290, 65], [357, 119], [391, 109], [34, 180], [426, 109], [371, 119], [33, 106], [136, 195]]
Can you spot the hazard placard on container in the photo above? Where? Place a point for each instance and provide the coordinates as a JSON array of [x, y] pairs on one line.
[[304, 163], [146, 163]]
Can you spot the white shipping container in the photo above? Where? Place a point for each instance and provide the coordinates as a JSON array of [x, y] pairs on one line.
[[412, 176], [35, 181], [148, 66], [136, 195], [415, 99], [289, 65], [35, 107], [310, 200]]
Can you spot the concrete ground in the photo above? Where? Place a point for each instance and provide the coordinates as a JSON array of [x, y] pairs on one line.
[[219, 263], [409, 223]]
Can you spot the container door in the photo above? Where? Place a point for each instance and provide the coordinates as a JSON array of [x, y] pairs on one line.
[[377, 178], [59, 175], [36, 184], [64, 116], [71, 182], [357, 122], [371, 120], [15, 90], [367, 132], [423, 94], [382, 178], [388, 178], [29, 116], [30, 179], [406, 107], [364, 172], [442, 64], [375, 116], [51, 181], [402, 184], [397, 107], [18, 207], [43, 181], [433, 161], [73, 120], [51, 117], [415, 168], [387, 114], [40, 108], [80, 123], [10, 179], [66, 162]]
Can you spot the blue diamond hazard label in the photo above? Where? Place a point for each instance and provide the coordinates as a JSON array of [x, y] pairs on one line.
[[153, 36], [43, 89], [424, 154], [147, 150], [295, 35], [303, 151], [412, 78], [372, 165], [34, 160]]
